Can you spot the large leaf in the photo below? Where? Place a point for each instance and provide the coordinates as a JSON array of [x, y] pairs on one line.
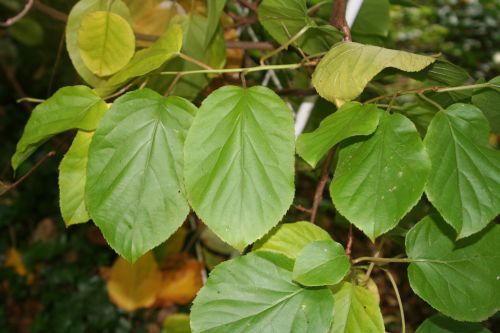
[[321, 263], [488, 100], [255, 293], [372, 19], [147, 60], [81, 9], [290, 238], [350, 120], [285, 18], [442, 324], [133, 286], [379, 179], [446, 274], [70, 107], [346, 69], [465, 176], [134, 184], [72, 179], [356, 310], [239, 163], [106, 42]]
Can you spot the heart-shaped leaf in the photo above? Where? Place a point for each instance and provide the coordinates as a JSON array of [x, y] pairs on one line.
[[465, 177], [380, 178], [255, 293], [446, 274], [345, 70], [239, 163], [135, 192]]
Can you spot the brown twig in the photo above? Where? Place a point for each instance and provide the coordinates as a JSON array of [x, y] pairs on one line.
[[318, 194], [348, 248], [11, 78], [244, 45], [250, 5], [29, 173], [54, 13], [303, 209], [337, 19], [10, 21]]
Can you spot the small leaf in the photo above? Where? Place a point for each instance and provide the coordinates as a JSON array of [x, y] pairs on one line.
[[70, 107], [81, 9], [488, 100], [379, 179], [356, 310], [134, 286], [147, 60], [290, 238], [346, 69], [283, 19], [239, 163], [134, 189], [72, 179], [255, 293], [321, 263], [442, 324], [106, 42], [176, 323], [465, 177], [446, 274], [350, 120]]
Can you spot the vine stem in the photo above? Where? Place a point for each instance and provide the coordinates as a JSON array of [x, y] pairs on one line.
[[194, 61], [398, 297], [318, 194], [284, 46], [238, 70], [387, 260], [17, 17]]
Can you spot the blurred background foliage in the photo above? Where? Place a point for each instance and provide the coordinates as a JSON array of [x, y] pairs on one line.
[[58, 279]]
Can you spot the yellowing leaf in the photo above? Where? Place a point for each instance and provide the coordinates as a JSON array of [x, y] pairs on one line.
[[180, 284], [14, 259], [346, 69], [133, 286], [106, 42]]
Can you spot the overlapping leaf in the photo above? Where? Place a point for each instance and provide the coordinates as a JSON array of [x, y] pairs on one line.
[[321, 263], [72, 179], [70, 107], [345, 70], [488, 100], [442, 324], [106, 42], [81, 9], [379, 179], [134, 189], [460, 279], [255, 293], [350, 120], [356, 310], [239, 163], [465, 177]]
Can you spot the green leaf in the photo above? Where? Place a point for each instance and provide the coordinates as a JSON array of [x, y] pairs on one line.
[[72, 179], [106, 42], [372, 19], [379, 179], [147, 60], [350, 120], [81, 9], [134, 189], [176, 323], [239, 163], [27, 31], [465, 177], [255, 293], [447, 274], [442, 324], [321, 263], [346, 69], [290, 238], [283, 19], [488, 100], [70, 107], [215, 9], [356, 310]]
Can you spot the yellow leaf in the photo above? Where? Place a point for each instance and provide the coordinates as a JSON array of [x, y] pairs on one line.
[[133, 286], [14, 259], [180, 284]]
